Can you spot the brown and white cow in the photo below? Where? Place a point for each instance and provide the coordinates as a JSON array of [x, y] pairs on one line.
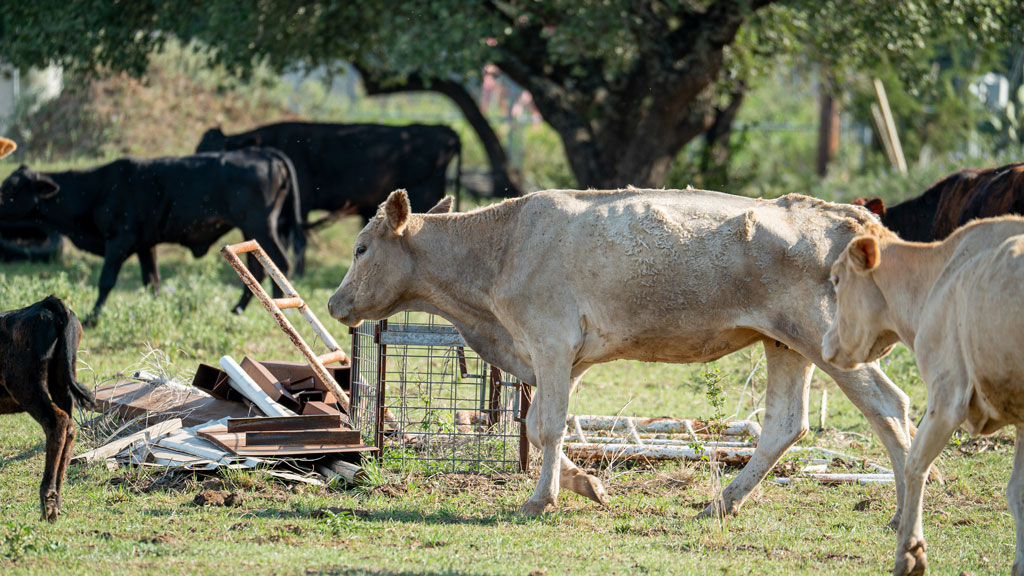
[[957, 305], [547, 285], [953, 201]]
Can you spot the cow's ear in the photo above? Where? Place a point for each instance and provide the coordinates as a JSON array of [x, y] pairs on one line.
[[442, 207], [876, 205], [396, 211], [864, 253], [7, 146], [44, 187]]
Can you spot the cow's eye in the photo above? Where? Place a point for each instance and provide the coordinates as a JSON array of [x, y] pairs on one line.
[[834, 280], [360, 250]]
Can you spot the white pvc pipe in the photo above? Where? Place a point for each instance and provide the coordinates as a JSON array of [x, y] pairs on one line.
[[247, 387]]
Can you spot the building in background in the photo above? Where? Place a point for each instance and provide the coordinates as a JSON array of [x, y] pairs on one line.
[[30, 88]]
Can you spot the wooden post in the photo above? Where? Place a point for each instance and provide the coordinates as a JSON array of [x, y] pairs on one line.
[[823, 410], [890, 127]]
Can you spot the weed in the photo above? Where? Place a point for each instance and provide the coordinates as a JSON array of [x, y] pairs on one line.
[[18, 540]]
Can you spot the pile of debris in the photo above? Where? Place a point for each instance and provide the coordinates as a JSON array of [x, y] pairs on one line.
[[267, 414]]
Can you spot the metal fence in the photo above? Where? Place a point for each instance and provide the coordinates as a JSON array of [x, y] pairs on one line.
[[429, 402]]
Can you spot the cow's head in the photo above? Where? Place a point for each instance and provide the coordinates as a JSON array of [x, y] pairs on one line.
[[384, 263], [213, 140], [22, 192], [859, 332]]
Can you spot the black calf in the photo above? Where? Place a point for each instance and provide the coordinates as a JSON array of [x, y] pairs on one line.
[[38, 349]]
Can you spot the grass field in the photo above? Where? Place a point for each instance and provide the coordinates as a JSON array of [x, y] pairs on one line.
[[130, 522]]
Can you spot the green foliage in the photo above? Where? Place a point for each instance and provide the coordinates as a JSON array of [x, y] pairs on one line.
[[18, 540]]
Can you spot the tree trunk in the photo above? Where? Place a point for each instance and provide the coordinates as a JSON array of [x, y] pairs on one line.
[[828, 126]]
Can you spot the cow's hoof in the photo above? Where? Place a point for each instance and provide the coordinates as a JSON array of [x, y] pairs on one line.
[[717, 509], [912, 561], [1018, 569], [534, 507], [589, 487], [51, 508], [91, 321]]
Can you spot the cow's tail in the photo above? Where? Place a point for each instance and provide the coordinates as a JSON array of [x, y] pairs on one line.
[[458, 173], [291, 213], [69, 335]]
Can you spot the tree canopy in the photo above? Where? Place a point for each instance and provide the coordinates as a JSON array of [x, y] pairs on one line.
[[625, 83]]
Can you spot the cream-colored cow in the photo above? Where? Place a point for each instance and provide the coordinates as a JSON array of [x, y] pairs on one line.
[[957, 304], [547, 285]]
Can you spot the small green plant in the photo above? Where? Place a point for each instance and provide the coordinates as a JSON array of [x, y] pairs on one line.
[[336, 522], [18, 540]]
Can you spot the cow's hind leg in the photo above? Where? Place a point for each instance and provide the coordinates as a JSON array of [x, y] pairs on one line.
[[64, 401], [885, 407], [150, 271], [29, 388], [785, 422], [1015, 500], [940, 420], [546, 418]]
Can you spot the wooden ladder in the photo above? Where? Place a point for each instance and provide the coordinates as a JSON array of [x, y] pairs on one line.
[[291, 299]]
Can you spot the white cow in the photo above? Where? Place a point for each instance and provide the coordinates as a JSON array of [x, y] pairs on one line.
[[957, 305], [547, 285]]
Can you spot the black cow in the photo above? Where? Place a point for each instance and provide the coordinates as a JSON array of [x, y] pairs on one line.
[[131, 205], [38, 350], [355, 166], [954, 201]]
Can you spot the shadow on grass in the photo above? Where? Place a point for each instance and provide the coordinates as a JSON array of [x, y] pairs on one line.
[[371, 572], [406, 516], [33, 451]]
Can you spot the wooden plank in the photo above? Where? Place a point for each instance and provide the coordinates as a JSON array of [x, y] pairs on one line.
[[281, 424], [242, 382], [236, 443], [302, 437], [314, 408], [133, 399], [298, 371], [148, 435]]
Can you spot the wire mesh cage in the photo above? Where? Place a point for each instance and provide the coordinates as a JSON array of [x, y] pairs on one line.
[[428, 402]]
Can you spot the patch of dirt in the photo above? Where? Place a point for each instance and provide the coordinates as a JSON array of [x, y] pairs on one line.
[[158, 539], [979, 444], [208, 497], [864, 505], [660, 485], [389, 490]]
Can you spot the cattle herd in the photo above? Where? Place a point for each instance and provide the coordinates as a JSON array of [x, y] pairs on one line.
[[547, 285]]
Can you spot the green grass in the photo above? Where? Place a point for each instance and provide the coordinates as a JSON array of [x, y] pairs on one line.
[[135, 522]]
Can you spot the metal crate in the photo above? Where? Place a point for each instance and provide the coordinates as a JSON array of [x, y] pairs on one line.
[[429, 402]]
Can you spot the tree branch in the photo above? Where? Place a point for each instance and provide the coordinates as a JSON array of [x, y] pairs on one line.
[[505, 183]]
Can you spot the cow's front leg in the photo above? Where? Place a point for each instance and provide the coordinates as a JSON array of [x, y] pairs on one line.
[[150, 271], [1015, 500], [940, 420], [576, 480], [546, 419], [116, 252], [785, 422]]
